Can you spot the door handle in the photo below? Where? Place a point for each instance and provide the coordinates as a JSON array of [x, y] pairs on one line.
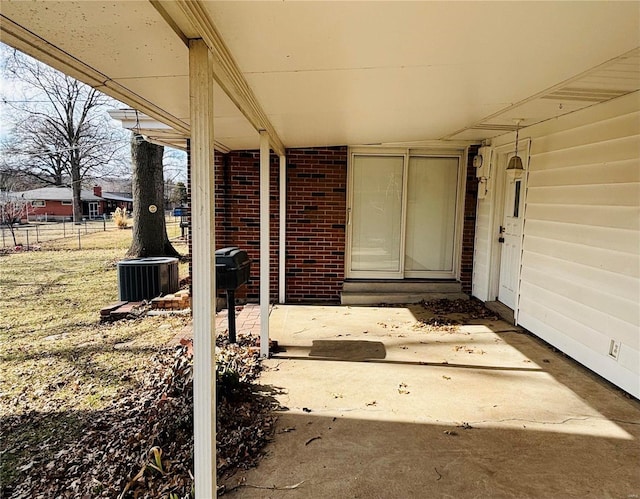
[[501, 239]]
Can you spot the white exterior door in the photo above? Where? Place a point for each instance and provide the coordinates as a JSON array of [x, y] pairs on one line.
[[510, 238], [93, 210]]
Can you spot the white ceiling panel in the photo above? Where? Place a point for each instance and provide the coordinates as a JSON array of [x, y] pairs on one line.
[[361, 72]]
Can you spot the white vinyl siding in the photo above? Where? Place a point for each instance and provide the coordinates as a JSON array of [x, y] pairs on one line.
[[580, 277], [482, 244]]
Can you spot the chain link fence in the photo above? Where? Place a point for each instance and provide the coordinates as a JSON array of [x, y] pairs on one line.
[[34, 233]]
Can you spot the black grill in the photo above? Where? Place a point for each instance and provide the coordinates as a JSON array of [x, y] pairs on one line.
[[232, 271]]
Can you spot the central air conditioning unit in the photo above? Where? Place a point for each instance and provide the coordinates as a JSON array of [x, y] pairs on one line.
[[147, 278]]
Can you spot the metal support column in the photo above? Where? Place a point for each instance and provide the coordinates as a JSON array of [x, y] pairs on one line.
[[265, 243], [282, 244]]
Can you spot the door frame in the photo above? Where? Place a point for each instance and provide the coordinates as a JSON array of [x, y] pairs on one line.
[[501, 156], [461, 153], [360, 274], [94, 210]]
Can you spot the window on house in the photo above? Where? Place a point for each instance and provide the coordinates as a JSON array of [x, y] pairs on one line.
[[38, 203], [66, 203], [516, 199]]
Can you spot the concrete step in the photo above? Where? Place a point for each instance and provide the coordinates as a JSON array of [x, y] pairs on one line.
[[402, 286], [351, 298], [374, 291]]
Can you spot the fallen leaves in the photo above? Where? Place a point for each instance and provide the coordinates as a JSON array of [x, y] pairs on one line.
[[473, 308], [467, 349], [402, 389], [142, 445], [442, 310], [465, 426]]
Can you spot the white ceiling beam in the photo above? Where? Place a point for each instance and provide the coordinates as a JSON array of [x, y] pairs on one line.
[[227, 73]]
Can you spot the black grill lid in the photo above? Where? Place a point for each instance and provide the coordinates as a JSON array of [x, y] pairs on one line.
[[231, 257]]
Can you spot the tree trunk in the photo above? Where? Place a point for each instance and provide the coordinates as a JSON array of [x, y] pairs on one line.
[[149, 228], [76, 189]]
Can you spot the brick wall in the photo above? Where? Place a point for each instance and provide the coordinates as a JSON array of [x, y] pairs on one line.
[[237, 178], [316, 211], [469, 226], [316, 206]]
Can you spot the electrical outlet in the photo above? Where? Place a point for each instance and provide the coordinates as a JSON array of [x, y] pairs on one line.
[[614, 349]]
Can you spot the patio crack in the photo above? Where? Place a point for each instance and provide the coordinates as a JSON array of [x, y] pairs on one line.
[[566, 420]]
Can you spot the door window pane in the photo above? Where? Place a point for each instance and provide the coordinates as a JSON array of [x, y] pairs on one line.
[[516, 200], [431, 214], [376, 213]]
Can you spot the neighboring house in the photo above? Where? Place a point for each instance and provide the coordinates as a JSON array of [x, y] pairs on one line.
[[113, 200], [56, 203], [375, 113]]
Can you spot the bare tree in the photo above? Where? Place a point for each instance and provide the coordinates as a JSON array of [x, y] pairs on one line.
[[179, 194], [12, 210], [149, 226], [61, 132]]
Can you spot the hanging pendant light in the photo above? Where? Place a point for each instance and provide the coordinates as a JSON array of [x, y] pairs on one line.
[[515, 163]]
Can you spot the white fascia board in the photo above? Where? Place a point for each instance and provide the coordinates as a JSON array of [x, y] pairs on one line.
[[155, 131]]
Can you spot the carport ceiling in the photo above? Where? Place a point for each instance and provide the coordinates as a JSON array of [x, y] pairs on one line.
[[353, 72]]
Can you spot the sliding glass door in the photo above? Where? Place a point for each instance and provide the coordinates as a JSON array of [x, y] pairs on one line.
[[402, 216], [376, 224], [431, 216]]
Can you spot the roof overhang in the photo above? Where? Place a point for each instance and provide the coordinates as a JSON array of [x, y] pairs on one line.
[[328, 73]]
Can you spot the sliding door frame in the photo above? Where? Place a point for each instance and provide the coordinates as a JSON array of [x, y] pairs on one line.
[[458, 152]]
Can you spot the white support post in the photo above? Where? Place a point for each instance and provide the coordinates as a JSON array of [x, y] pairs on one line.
[[203, 276], [282, 248], [265, 244]]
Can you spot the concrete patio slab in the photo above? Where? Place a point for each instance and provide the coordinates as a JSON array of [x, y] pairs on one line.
[[377, 403]]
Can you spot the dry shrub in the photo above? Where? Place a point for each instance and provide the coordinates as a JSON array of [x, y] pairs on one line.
[[120, 218]]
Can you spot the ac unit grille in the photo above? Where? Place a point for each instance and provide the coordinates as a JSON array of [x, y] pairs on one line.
[[146, 278]]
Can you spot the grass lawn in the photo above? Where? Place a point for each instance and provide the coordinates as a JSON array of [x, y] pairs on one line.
[[59, 364]]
